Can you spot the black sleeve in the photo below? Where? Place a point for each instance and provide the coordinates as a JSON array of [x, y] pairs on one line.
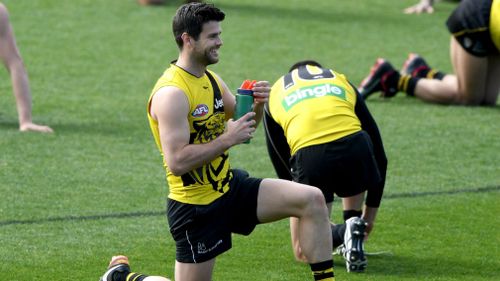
[[277, 146], [368, 124]]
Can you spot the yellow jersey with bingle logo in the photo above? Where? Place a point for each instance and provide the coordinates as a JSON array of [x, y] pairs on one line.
[[206, 122], [313, 106]]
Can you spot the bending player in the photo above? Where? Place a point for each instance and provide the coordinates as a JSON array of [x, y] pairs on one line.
[[320, 132]]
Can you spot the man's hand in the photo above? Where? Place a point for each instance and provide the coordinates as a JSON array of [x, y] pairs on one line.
[[261, 91], [241, 130], [369, 215]]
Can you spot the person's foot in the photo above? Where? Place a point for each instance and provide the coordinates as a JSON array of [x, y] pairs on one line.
[[377, 80], [413, 65], [117, 264], [32, 127], [353, 250], [151, 2]]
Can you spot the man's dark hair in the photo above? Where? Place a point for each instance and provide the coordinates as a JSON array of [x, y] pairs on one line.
[[304, 62], [190, 18]]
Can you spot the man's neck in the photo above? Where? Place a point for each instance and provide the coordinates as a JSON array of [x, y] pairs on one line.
[[191, 66]]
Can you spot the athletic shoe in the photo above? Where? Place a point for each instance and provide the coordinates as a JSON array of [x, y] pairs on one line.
[[353, 250], [117, 264], [339, 251], [376, 80], [413, 65]]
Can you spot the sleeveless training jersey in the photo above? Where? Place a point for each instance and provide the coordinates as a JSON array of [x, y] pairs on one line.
[[206, 122], [313, 106]]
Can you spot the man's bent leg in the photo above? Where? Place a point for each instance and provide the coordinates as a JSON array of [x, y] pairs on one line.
[[279, 199], [493, 83], [194, 271], [471, 72], [353, 205]]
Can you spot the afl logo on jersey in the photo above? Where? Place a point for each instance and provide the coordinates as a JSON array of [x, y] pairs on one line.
[[200, 110]]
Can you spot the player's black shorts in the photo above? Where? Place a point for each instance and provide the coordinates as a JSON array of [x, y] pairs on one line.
[[469, 24], [202, 232], [345, 166]]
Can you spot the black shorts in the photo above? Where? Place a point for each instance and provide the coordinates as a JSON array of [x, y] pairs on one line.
[[202, 232], [469, 23], [345, 166]]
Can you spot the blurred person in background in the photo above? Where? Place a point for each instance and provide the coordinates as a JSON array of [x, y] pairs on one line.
[[19, 77], [475, 56], [422, 7], [161, 2]]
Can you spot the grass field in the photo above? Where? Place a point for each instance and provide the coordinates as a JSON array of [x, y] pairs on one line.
[[94, 188]]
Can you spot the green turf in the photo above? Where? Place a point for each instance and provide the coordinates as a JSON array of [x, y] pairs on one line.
[[96, 186]]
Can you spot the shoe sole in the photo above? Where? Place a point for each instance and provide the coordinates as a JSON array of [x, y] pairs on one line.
[[115, 263], [110, 271], [356, 262]]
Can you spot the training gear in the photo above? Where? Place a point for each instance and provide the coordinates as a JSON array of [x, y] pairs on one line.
[[301, 103], [206, 119], [353, 250], [117, 264], [414, 66], [380, 78], [323, 271]]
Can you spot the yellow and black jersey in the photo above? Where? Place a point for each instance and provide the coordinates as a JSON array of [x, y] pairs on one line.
[[206, 121], [313, 106], [495, 23]]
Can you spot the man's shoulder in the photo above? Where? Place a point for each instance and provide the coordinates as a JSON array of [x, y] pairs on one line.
[[211, 73], [170, 77]]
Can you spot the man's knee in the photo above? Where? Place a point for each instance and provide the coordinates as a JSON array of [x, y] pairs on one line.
[[315, 201]]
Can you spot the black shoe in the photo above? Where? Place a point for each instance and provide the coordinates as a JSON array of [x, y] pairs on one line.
[[413, 65], [376, 81], [117, 264]]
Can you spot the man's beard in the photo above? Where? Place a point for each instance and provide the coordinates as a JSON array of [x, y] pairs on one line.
[[209, 58]]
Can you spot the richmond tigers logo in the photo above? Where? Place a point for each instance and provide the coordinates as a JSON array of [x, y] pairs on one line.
[[206, 130]]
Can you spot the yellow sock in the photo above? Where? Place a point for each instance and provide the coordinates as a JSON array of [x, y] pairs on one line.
[[135, 277]]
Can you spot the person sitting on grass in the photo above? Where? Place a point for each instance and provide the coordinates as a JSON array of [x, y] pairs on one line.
[[475, 55]]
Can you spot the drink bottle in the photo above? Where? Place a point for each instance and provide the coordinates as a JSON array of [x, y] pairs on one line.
[[244, 102]]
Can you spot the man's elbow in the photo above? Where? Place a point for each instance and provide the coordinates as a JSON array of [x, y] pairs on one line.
[[177, 169]]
